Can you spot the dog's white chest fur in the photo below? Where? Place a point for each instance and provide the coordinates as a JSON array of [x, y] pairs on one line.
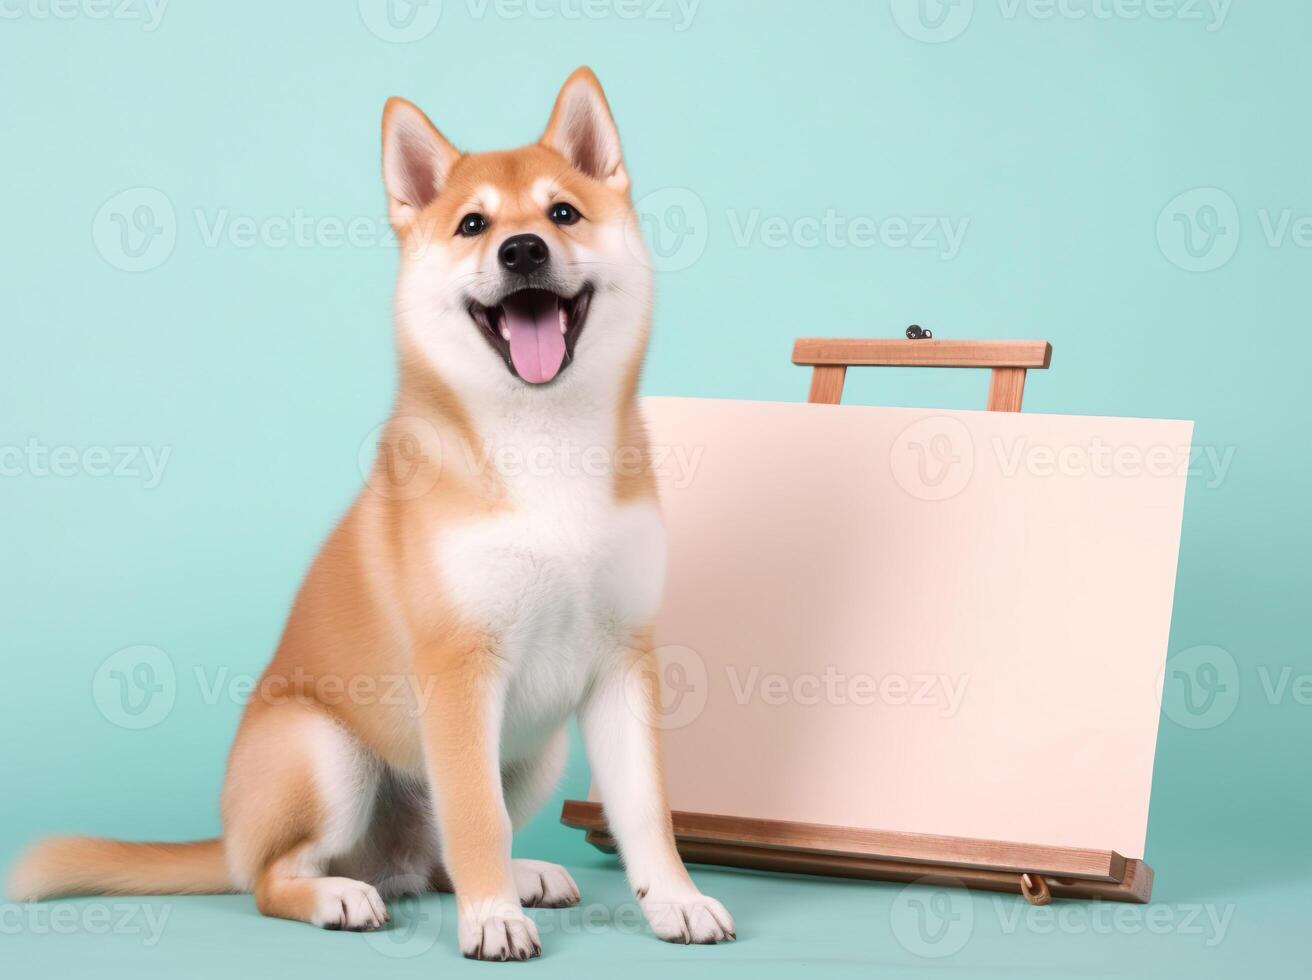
[[559, 581]]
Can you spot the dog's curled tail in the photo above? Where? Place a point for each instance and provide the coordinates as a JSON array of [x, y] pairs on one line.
[[64, 866]]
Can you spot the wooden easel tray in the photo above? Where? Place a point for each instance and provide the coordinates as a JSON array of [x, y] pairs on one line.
[[1037, 873]]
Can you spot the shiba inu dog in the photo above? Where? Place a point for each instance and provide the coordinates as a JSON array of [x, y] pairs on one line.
[[507, 597]]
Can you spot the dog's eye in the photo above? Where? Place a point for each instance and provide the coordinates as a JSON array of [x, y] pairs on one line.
[[564, 214], [472, 224]]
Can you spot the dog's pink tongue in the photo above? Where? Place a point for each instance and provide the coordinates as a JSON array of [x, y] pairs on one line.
[[537, 347]]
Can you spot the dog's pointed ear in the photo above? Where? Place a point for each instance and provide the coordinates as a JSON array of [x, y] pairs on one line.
[[583, 131], [417, 160]]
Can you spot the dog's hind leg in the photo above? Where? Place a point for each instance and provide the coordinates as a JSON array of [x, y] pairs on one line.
[[299, 796], [527, 784]]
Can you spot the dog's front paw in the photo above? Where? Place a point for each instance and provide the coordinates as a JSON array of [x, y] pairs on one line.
[[687, 917], [497, 931]]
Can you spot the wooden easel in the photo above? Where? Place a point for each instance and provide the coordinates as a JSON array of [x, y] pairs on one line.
[[1037, 872]]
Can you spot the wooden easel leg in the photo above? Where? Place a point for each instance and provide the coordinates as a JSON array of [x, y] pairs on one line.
[[827, 384], [1006, 389]]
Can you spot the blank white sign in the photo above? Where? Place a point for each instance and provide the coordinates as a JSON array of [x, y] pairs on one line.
[[899, 619]]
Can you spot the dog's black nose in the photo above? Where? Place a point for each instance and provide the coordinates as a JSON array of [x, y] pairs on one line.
[[523, 253]]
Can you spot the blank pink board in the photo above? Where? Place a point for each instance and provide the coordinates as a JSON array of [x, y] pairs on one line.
[[915, 620]]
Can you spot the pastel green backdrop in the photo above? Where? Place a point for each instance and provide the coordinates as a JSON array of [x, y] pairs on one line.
[[1125, 179]]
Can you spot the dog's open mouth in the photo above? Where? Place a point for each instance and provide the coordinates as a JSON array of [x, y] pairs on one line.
[[534, 330]]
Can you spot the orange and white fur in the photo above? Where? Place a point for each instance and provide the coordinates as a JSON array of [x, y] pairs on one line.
[[509, 597]]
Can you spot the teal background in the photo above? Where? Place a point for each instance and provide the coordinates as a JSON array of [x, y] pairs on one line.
[[263, 370]]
